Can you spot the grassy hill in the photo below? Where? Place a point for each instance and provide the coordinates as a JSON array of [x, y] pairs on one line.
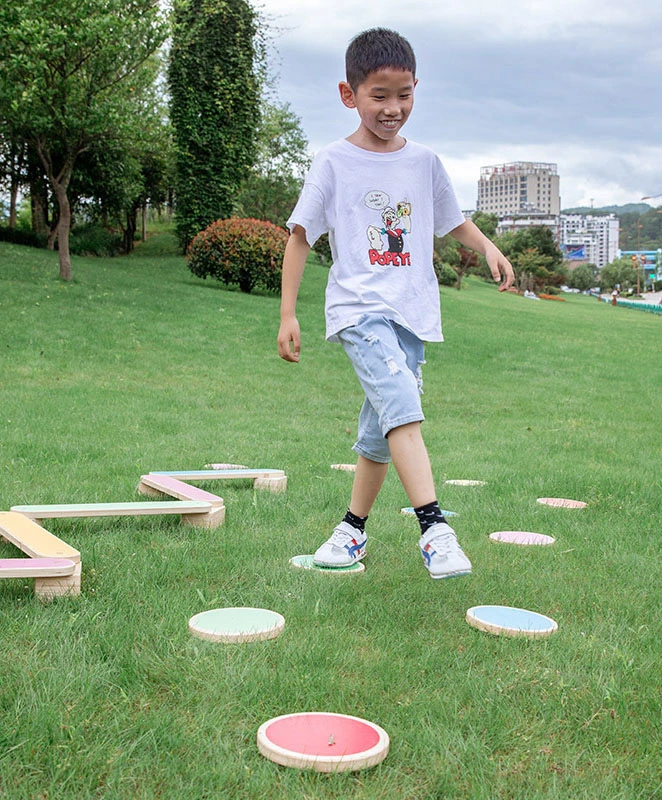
[[137, 366]]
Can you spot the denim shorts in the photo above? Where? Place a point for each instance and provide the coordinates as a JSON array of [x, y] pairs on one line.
[[387, 359]]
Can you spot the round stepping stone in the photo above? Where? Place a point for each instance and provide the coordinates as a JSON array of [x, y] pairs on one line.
[[322, 741], [306, 562], [344, 467], [409, 512], [455, 482], [236, 624], [225, 466], [522, 537], [508, 621], [560, 502]]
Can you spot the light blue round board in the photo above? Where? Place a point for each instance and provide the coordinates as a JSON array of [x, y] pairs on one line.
[[508, 621], [236, 624], [306, 562], [409, 511]]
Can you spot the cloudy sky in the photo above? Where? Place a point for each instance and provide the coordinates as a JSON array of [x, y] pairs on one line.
[[575, 82]]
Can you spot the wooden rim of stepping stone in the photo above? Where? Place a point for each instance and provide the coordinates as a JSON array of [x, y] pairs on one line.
[[236, 624], [408, 511], [509, 621], [522, 538], [459, 482], [324, 742], [306, 562], [561, 502], [344, 467]]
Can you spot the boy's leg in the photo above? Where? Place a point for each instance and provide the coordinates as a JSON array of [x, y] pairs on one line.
[[368, 480]]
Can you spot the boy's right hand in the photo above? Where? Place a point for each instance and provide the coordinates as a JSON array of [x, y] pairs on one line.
[[289, 339]]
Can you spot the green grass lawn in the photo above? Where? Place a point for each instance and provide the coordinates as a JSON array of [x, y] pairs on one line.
[[137, 366]]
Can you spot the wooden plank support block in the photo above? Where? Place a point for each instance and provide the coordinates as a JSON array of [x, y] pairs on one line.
[[273, 479], [278, 484], [186, 508], [38, 543]]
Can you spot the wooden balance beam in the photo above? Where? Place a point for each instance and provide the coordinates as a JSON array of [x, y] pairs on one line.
[[159, 485], [43, 548], [275, 480], [193, 512]]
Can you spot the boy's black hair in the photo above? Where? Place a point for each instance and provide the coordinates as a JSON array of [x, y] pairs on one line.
[[375, 49]]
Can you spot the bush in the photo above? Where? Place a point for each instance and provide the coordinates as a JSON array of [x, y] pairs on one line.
[[247, 252], [94, 240], [323, 250], [21, 236], [446, 275]]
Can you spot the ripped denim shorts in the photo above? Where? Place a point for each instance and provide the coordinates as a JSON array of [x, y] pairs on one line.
[[387, 359]]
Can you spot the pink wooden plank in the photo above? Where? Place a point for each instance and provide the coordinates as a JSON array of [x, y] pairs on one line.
[[180, 489], [31, 567]]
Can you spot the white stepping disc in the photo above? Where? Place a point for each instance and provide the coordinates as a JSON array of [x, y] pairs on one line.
[[322, 741], [522, 538], [236, 624], [561, 502], [455, 482], [344, 467], [508, 621], [306, 562]]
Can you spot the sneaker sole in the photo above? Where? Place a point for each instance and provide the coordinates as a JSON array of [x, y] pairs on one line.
[[347, 564], [450, 575]]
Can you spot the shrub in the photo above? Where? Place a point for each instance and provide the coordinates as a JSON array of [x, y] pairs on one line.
[[21, 236], [247, 252], [94, 240], [446, 275], [323, 250]]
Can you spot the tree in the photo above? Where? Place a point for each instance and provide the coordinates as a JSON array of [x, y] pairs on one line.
[[68, 73], [618, 273], [272, 187], [582, 277], [215, 86], [536, 259]]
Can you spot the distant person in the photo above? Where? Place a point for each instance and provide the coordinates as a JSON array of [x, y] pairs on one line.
[[381, 198]]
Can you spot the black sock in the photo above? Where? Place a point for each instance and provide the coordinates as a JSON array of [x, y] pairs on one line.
[[429, 515], [354, 521]]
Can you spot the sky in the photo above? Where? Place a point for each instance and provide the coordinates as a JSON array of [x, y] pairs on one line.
[[573, 82]]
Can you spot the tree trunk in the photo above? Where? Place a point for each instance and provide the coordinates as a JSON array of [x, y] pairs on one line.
[[13, 195], [63, 227]]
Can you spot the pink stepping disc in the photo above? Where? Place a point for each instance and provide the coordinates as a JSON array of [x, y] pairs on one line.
[[560, 502], [521, 537], [323, 741]]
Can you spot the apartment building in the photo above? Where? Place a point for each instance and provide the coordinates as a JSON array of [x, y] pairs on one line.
[[519, 188], [590, 238]]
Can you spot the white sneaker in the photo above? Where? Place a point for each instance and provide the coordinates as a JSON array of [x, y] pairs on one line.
[[345, 547], [442, 555]]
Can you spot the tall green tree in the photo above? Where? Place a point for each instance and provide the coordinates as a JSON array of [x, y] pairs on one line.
[[68, 73], [215, 86], [272, 187]]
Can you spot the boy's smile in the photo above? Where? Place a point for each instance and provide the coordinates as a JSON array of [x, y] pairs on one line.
[[384, 102]]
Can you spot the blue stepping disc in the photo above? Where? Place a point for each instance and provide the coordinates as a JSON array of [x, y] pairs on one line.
[[508, 621]]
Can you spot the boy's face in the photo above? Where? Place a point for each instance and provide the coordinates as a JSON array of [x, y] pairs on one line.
[[384, 102]]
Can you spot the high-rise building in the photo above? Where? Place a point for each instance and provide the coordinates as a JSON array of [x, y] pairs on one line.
[[590, 238], [520, 187]]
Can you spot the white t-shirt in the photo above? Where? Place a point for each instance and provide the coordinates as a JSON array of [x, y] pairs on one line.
[[380, 211]]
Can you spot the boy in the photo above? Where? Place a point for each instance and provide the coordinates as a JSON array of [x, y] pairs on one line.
[[381, 198]]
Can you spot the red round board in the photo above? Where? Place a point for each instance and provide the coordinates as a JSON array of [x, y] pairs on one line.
[[561, 502], [324, 742]]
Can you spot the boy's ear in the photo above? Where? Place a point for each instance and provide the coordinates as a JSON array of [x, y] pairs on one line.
[[346, 94]]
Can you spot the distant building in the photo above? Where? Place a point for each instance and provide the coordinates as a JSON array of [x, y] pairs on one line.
[[588, 238], [511, 223], [519, 188]]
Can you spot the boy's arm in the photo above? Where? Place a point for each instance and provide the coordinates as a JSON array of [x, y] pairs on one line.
[[469, 235], [294, 263]]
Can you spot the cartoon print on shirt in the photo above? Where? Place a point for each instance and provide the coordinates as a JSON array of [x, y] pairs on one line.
[[396, 225]]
